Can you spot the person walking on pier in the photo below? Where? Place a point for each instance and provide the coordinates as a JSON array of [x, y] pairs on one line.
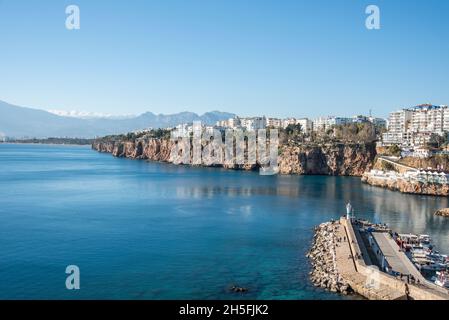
[[407, 291]]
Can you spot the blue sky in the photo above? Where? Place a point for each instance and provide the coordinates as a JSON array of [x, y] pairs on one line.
[[278, 58]]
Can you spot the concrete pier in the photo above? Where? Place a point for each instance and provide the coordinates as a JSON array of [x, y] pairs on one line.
[[354, 264]]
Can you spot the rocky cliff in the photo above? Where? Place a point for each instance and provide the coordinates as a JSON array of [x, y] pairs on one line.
[[332, 159], [150, 149], [336, 159]]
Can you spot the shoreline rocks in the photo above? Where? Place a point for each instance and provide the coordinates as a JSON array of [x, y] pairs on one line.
[[431, 189], [322, 257], [442, 212]]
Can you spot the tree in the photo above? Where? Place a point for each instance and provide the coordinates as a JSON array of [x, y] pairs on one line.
[[394, 150], [293, 129], [355, 132], [292, 132], [437, 141]]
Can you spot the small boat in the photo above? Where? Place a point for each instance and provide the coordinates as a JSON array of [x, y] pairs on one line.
[[442, 279], [441, 258], [419, 251], [433, 267], [420, 254], [424, 238], [421, 261], [409, 238]]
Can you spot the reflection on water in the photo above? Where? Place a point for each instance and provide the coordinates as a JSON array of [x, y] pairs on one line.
[[403, 212], [157, 231]]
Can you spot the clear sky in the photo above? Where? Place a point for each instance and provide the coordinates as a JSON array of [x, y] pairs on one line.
[[250, 57]]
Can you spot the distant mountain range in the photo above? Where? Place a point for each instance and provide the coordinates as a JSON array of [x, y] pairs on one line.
[[20, 122], [89, 115]]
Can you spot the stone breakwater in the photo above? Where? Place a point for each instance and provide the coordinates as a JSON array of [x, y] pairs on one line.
[[442, 212], [331, 159], [404, 186], [323, 259]]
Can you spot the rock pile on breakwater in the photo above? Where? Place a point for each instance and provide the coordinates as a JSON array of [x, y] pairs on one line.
[[442, 212], [322, 256]]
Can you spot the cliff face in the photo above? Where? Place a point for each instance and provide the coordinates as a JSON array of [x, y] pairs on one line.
[[350, 160], [151, 149], [404, 186], [344, 160]]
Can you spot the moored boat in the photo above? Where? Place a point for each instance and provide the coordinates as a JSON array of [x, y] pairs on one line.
[[442, 279]]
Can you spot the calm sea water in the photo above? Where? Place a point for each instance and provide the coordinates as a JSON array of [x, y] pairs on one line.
[[141, 230]]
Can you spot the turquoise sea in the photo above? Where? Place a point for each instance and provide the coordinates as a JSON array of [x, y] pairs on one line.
[[140, 230]]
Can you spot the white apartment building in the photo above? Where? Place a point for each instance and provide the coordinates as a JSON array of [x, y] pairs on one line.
[[369, 119], [274, 122], [414, 127], [288, 121], [446, 119], [253, 123], [398, 127], [234, 122], [230, 123], [360, 119], [428, 118], [182, 130], [320, 124], [222, 123], [379, 122], [324, 123], [305, 123]]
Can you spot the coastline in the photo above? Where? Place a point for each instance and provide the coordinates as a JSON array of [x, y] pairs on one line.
[[399, 175], [407, 187], [336, 159], [46, 143]]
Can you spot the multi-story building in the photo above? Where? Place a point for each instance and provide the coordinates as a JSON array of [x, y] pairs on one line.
[[274, 122], [325, 123], [305, 123], [428, 118], [254, 123], [360, 119], [288, 121], [182, 130], [337, 121], [230, 123], [415, 126], [234, 122], [320, 124], [378, 122], [446, 119], [222, 123], [398, 125]]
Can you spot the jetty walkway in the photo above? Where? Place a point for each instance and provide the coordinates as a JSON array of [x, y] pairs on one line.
[[354, 261]]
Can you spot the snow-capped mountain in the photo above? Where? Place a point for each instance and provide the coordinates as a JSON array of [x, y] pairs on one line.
[[22, 122], [89, 115]]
